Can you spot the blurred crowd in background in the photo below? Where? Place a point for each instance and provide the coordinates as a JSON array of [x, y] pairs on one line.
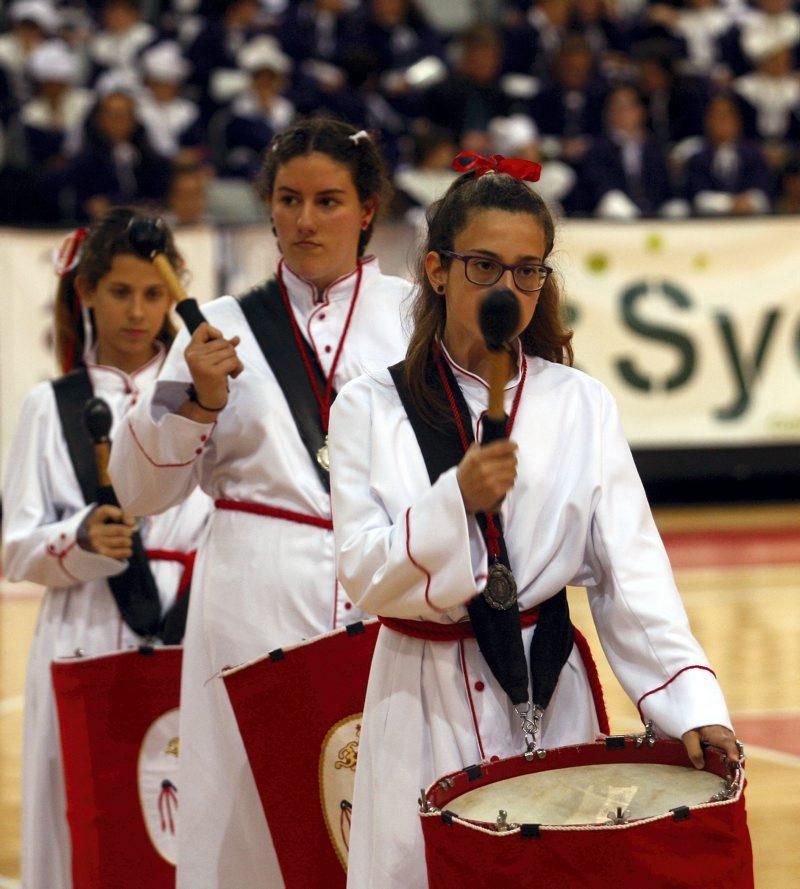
[[634, 108]]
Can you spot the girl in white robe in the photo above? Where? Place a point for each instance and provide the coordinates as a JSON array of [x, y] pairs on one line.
[[266, 578], [573, 512], [112, 316]]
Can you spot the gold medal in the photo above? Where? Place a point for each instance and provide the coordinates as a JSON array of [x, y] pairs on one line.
[[501, 588], [322, 456]]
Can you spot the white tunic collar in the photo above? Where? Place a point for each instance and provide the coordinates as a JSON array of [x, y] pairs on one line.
[[476, 385], [113, 379], [304, 295]]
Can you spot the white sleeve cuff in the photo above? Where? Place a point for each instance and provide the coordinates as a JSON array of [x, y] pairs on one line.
[[80, 565], [692, 698]]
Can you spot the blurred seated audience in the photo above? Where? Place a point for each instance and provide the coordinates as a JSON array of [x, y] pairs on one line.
[[58, 107], [187, 195], [32, 22], [470, 96], [569, 110], [728, 174], [116, 162], [240, 132], [122, 37], [624, 174], [172, 121]]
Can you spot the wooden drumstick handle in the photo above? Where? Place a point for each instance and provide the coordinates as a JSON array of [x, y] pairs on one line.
[[102, 456], [186, 306], [498, 377]]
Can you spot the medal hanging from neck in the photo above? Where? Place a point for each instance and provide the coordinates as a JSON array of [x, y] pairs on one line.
[[500, 591], [324, 398]]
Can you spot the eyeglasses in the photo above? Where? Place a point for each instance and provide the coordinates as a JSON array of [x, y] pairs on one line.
[[484, 272]]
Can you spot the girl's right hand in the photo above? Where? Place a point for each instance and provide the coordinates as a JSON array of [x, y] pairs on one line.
[[486, 475], [109, 532], [211, 360]]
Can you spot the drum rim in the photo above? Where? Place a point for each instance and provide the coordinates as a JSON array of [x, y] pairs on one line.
[[449, 787]]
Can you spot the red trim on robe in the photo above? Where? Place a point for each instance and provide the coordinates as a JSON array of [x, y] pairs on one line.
[[465, 673], [274, 512], [152, 462], [662, 687], [417, 565]]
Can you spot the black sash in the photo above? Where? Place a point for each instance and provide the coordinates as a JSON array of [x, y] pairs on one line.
[[272, 328], [135, 590], [498, 633]]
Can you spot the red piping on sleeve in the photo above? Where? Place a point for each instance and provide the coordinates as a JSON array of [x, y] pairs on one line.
[[164, 465], [662, 687], [417, 565]]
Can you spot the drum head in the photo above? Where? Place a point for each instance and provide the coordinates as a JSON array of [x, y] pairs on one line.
[[589, 794]]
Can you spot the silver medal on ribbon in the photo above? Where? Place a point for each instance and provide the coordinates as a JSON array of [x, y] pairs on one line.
[[501, 587]]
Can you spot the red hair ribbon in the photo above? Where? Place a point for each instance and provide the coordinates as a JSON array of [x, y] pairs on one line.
[[469, 161], [69, 253]]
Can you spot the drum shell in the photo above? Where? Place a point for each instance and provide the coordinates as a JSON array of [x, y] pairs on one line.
[[709, 848]]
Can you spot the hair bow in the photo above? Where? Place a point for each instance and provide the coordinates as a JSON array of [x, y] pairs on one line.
[[69, 253], [469, 161]]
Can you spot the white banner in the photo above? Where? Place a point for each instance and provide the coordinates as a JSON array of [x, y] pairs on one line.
[[695, 327]]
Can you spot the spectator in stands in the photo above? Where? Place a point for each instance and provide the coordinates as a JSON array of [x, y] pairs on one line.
[[601, 25], [32, 22], [123, 36], [764, 22], [213, 53], [466, 100], [187, 195], [116, 164], [429, 174], [172, 121], [570, 108], [58, 107], [533, 33], [624, 174], [699, 25], [728, 175], [772, 91], [675, 103], [259, 113]]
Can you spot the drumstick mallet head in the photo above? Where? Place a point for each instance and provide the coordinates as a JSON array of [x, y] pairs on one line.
[[148, 238], [498, 317], [97, 419]]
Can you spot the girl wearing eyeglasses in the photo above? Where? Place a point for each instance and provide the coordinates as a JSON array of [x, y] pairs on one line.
[[558, 502]]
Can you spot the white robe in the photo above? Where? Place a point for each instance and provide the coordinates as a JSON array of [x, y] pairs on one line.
[[43, 510], [577, 514], [261, 582]]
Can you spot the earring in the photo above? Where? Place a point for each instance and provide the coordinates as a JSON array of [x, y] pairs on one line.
[[440, 288]]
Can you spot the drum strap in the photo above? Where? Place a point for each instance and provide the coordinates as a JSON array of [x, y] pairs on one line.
[[134, 591], [265, 313], [498, 633]]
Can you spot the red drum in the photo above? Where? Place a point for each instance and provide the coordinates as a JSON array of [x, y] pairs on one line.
[[118, 721], [622, 813]]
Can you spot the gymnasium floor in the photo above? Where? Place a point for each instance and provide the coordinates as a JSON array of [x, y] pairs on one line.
[[738, 569]]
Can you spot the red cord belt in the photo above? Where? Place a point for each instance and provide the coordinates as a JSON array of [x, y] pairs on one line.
[[436, 632], [274, 512]]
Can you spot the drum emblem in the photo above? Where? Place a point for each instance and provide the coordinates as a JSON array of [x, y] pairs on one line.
[[337, 770], [158, 790]]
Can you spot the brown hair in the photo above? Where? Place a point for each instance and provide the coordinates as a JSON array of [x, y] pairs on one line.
[[330, 136], [545, 336], [106, 238]]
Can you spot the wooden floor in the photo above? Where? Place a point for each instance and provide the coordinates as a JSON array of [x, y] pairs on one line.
[[738, 569]]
